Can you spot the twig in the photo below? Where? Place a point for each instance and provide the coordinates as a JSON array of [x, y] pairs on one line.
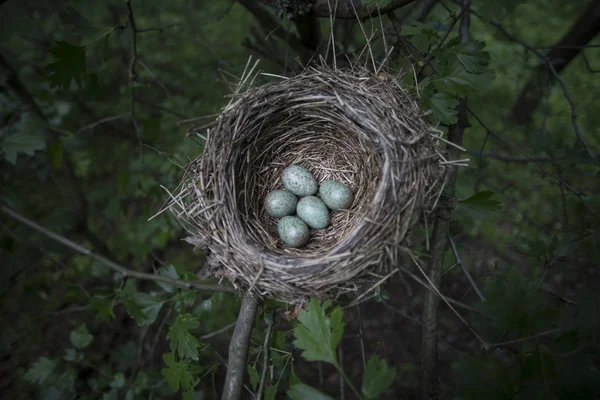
[[464, 269], [161, 30], [266, 347], [557, 77], [161, 108], [238, 348], [133, 74], [100, 122], [439, 240], [125, 272], [455, 19], [218, 331], [341, 362]]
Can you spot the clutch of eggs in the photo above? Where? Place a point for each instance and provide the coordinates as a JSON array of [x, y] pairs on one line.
[[311, 211]]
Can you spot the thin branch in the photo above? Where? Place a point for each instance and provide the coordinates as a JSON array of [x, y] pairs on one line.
[[266, 347], [218, 331], [464, 269], [161, 108], [558, 79], [238, 348], [100, 122], [352, 9], [125, 272], [133, 74], [161, 30], [439, 239]]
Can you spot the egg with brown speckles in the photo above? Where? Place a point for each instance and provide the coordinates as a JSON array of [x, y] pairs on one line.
[[299, 181], [293, 231], [280, 203], [314, 212], [336, 195]]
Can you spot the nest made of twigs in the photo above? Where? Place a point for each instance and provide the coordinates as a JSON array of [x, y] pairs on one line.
[[348, 125]]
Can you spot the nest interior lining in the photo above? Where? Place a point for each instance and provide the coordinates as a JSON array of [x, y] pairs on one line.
[[344, 125]]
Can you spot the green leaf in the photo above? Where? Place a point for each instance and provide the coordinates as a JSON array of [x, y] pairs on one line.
[[300, 391], [70, 17], [22, 142], [271, 391], [118, 381], [104, 307], [254, 378], [319, 334], [470, 55], [455, 79], [70, 354], [168, 272], [182, 341], [494, 9], [442, 106], [482, 201], [377, 378], [69, 65], [40, 371], [55, 153], [483, 378], [144, 308], [80, 337], [177, 374]]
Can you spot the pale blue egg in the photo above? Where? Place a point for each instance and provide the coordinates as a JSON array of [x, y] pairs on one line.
[[299, 181], [336, 195], [280, 203], [293, 231], [314, 212]]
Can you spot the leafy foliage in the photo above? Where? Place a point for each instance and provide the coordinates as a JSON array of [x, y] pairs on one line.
[[178, 374], [40, 371], [300, 391], [377, 378], [182, 341], [22, 142], [80, 337], [70, 65], [319, 331]]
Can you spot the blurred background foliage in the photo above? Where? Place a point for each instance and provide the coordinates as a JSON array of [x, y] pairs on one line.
[[73, 161]]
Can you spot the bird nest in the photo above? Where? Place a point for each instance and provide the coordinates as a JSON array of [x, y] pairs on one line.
[[349, 125]]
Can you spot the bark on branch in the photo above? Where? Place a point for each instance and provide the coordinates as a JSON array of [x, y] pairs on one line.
[[238, 348], [354, 9], [439, 244], [562, 53]]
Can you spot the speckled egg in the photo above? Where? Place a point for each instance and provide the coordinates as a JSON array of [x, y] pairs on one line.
[[299, 181], [280, 203], [313, 211], [293, 231], [336, 195]]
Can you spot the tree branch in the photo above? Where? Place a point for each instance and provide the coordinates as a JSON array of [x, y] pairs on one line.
[[266, 348], [439, 243], [560, 55], [354, 9], [271, 26], [238, 348], [111, 264]]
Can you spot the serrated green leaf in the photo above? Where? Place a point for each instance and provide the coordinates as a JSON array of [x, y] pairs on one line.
[[271, 391], [300, 391], [73, 19], [182, 341], [40, 371], [443, 108], [55, 153], [254, 378], [377, 378], [144, 308], [22, 142], [471, 55], [455, 79], [80, 337], [319, 334], [70, 65], [104, 307], [482, 201], [177, 374]]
